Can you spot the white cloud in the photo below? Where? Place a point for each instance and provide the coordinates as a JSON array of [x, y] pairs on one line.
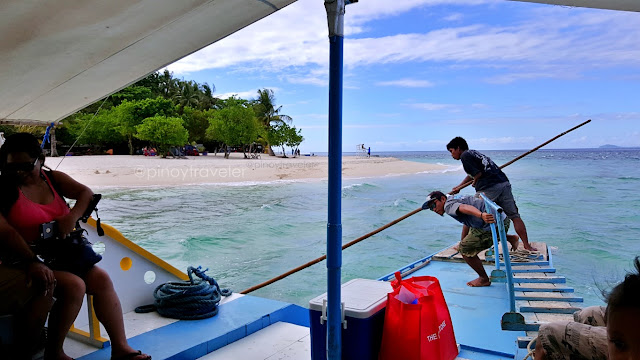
[[248, 94], [411, 83], [431, 106], [553, 42], [453, 17], [239, 95]]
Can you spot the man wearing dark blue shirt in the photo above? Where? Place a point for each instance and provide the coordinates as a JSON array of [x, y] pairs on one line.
[[490, 180]]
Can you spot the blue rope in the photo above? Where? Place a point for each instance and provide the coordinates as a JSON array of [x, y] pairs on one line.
[[188, 300], [47, 136]]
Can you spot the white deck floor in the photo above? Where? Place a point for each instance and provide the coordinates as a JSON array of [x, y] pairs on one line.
[[278, 341]]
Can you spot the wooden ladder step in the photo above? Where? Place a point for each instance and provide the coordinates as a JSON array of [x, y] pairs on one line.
[[546, 296], [532, 270], [534, 320], [523, 341], [539, 278], [558, 307], [542, 287], [527, 263]]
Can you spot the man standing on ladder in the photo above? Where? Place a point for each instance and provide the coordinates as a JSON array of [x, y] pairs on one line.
[[490, 180]]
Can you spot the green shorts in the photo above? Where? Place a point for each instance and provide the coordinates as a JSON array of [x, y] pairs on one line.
[[15, 291], [478, 240]]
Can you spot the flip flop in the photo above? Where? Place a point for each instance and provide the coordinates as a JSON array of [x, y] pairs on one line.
[[131, 356]]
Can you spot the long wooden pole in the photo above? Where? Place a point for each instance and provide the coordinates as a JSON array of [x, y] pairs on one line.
[[312, 262]]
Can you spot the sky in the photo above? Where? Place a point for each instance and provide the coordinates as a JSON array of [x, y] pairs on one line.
[[502, 74]]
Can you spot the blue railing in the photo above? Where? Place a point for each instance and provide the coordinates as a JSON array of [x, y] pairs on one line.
[[498, 232]]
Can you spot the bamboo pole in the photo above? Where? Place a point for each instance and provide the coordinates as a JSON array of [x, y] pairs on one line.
[[353, 242]]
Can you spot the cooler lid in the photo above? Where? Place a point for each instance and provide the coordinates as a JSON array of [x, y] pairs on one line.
[[361, 297]]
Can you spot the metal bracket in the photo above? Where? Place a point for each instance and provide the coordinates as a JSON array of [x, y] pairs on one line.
[[498, 276]]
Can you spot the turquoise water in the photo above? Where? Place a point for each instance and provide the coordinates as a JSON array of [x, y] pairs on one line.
[[584, 203]]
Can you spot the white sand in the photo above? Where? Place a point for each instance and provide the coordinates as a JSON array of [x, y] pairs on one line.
[[128, 171]]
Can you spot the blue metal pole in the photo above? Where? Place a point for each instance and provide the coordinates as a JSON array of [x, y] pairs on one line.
[[335, 17], [502, 234]]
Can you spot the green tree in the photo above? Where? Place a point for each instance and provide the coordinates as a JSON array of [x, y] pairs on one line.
[[277, 136], [131, 93], [207, 101], [283, 134], [234, 125], [162, 132], [130, 114], [293, 137], [196, 122], [188, 95], [96, 130], [167, 85], [268, 114]]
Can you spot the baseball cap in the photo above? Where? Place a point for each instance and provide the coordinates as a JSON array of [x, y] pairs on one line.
[[433, 196]]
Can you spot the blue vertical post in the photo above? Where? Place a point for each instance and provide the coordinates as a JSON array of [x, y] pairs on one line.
[[500, 232], [335, 18]]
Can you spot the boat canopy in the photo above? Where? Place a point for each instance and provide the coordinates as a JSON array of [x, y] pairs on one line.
[[622, 5], [58, 56]]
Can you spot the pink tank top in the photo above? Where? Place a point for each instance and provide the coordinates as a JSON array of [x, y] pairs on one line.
[[26, 216]]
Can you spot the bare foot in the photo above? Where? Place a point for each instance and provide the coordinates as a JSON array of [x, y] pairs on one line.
[[529, 247], [131, 355], [513, 240], [62, 356], [479, 282]]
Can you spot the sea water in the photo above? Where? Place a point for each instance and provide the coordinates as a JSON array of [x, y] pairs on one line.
[[585, 204]]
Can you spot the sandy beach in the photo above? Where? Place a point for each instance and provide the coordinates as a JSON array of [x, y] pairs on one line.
[[128, 171]]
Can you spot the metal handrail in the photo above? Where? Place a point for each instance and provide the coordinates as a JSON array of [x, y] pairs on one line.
[[496, 211]]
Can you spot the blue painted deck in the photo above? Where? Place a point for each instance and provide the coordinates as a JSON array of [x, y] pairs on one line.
[[191, 339], [475, 312]]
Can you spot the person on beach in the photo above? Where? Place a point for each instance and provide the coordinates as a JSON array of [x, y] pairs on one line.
[[369, 152], [29, 199], [490, 180], [597, 332], [476, 231]]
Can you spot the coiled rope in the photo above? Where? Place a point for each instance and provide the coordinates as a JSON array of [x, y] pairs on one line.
[[188, 300]]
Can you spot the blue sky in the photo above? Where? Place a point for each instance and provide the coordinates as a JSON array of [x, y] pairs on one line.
[[502, 74]]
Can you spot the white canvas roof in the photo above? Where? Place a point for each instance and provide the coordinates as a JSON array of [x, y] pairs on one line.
[[624, 5], [58, 56]]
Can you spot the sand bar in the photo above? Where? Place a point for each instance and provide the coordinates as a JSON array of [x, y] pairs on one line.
[[132, 171]]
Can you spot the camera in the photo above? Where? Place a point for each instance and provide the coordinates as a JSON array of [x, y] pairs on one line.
[[49, 230]]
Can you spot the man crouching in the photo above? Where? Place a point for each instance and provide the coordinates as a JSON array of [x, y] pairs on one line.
[[476, 232]]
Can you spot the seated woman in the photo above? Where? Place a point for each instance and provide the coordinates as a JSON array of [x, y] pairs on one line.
[[598, 333], [28, 199]]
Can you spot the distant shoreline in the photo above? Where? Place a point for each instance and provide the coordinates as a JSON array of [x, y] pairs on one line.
[[142, 171], [383, 153]]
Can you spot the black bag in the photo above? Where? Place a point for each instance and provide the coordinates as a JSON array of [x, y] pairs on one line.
[[73, 253]]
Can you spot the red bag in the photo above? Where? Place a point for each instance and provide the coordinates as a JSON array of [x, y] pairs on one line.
[[417, 324]]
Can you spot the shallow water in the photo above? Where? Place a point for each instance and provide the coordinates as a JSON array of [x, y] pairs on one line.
[[584, 203]]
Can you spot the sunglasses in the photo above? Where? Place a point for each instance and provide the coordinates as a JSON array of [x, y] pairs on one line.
[[22, 166], [432, 205]]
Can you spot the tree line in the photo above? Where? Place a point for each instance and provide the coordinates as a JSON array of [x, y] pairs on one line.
[[162, 111]]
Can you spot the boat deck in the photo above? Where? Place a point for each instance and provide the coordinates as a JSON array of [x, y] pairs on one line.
[[249, 327], [541, 295]]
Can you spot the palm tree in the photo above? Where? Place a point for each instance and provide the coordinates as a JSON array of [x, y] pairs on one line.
[[188, 95], [206, 96], [268, 114], [167, 84]]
